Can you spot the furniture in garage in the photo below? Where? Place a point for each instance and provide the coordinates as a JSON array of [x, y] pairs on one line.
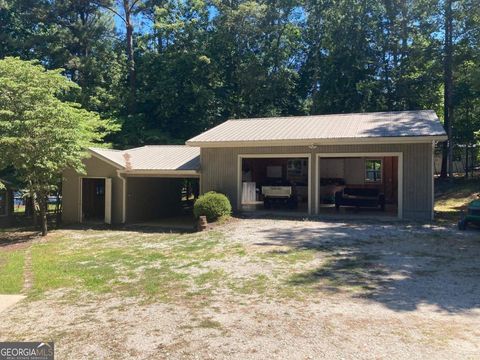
[[360, 197], [249, 192], [328, 188]]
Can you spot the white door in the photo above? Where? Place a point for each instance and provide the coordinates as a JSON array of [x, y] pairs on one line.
[[108, 201], [249, 192]]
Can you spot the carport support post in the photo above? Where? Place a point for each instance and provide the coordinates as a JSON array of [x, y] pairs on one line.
[[313, 180], [124, 196]]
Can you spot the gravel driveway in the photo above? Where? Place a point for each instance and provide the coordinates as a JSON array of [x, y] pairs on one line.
[[368, 291]]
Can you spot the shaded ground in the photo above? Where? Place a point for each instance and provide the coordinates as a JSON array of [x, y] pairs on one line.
[[16, 238], [256, 289], [452, 198]]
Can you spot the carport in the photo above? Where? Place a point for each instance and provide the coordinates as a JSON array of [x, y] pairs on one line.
[[160, 182], [152, 198]]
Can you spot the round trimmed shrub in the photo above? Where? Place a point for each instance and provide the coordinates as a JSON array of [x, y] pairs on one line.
[[213, 205]]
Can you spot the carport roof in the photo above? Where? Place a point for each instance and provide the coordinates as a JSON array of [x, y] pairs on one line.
[[153, 158], [375, 127]]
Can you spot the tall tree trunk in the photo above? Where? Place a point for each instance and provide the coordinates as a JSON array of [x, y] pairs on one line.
[[42, 203], [33, 209], [128, 10], [132, 79], [447, 155], [466, 160]]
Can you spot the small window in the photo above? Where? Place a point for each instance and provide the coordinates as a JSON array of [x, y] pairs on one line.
[[373, 170], [3, 203], [100, 189]]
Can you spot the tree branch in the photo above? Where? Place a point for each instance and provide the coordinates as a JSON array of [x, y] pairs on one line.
[[112, 10], [133, 5]]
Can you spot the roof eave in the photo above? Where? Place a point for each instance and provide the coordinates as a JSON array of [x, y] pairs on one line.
[[308, 142], [101, 157], [156, 172]]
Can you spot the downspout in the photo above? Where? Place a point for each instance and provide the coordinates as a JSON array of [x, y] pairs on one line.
[[124, 196], [128, 166]]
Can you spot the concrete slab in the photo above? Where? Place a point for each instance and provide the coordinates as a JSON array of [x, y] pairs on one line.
[[9, 300]]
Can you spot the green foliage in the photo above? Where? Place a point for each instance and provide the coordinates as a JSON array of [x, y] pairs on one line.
[[213, 205], [11, 271], [199, 62], [43, 134]]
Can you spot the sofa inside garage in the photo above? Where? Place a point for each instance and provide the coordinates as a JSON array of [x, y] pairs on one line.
[[151, 199], [359, 185]]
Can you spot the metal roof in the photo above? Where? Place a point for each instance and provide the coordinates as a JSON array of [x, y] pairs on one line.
[[325, 128], [174, 158]]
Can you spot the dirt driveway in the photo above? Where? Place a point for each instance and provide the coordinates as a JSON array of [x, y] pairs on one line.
[[290, 289]]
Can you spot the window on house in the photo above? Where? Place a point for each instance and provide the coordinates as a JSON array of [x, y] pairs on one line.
[[3, 203], [373, 170], [100, 189]]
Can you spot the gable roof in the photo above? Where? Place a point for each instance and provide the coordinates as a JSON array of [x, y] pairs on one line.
[[164, 158], [387, 127]]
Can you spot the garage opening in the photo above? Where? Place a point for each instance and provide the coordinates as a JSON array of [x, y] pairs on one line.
[[159, 200], [96, 200], [359, 185], [274, 184]]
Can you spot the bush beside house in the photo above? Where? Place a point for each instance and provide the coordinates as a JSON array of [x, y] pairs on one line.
[[213, 205]]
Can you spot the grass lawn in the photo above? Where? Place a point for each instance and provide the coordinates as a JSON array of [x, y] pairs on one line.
[[11, 271], [157, 267], [451, 198], [153, 267], [166, 267], [252, 288], [20, 209]]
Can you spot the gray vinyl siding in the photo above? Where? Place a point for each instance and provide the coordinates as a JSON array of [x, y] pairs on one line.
[[71, 190], [219, 169]]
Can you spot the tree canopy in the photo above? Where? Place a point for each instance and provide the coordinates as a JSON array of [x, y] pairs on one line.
[[170, 69], [42, 131]]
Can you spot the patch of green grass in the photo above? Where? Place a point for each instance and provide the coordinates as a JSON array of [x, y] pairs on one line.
[[55, 266], [161, 284], [206, 284], [184, 268], [93, 268], [452, 197], [212, 277], [209, 324], [20, 209], [11, 271], [238, 249], [155, 267], [257, 285]]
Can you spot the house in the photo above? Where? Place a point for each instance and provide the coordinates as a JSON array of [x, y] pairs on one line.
[[379, 164], [6, 203]]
